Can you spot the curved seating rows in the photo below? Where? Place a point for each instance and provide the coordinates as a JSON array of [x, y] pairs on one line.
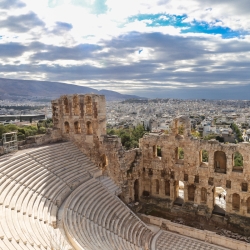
[[109, 184], [95, 219], [36, 185], [32, 188], [167, 240]]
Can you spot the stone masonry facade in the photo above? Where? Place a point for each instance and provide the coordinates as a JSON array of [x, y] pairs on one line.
[[153, 171]]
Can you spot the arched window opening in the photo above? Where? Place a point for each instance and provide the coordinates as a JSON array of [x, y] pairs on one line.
[[157, 186], [136, 190], [219, 201], [150, 172], [89, 100], [88, 105], [77, 127], [179, 193], [244, 187], [181, 189], [228, 184], [89, 128], [154, 151], [66, 105], [204, 158], [220, 162], [158, 151], [163, 173], [146, 191], [185, 177], [167, 187], [236, 202], [76, 105], [196, 179], [172, 175], [203, 195], [181, 129], [191, 192], [179, 155], [66, 127], [237, 162]]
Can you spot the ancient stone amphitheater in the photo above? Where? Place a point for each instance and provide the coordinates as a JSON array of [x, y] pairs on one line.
[[54, 197], [63, 192]]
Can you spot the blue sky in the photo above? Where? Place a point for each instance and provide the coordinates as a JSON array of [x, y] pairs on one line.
[[185, 46], [179, 21]]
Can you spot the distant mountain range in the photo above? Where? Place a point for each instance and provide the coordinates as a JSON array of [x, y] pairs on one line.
[[12, 88]]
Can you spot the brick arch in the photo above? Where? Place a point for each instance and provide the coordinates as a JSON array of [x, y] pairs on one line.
[[167, 187], [76, 105], [203, 195], [89, 128], [191, 192], [146, 191], [179, 154], [88, 104], [66, 104], [237, 159], [77, 127], [66, 127], [203, 156]]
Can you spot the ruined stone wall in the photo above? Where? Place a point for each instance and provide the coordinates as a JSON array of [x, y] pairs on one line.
[[159, 176], [154, 170], [81, 119], [120, 163], [51, 136]]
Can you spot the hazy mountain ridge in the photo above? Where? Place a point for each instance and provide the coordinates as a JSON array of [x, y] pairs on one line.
[[26, 88]]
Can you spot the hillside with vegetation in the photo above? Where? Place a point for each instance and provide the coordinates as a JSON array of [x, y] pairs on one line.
[[24, 131], [237, 132], [129, 136]]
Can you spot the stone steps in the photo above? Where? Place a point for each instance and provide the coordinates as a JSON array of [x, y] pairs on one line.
[[96, 223], [33, 186], [109, 184], [36, 184]]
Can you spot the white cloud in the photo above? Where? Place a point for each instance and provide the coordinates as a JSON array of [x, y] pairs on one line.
[[52, 44]]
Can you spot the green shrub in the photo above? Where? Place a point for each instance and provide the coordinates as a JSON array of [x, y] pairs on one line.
[[129, 137]]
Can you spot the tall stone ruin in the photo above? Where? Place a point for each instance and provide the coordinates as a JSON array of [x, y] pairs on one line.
[[153, 172]]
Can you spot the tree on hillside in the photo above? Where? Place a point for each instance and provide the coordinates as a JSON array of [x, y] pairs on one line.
[[129, 137], [25, 131], [237, 132]]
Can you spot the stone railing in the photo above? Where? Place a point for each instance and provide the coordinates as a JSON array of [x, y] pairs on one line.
[[203, 235]]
